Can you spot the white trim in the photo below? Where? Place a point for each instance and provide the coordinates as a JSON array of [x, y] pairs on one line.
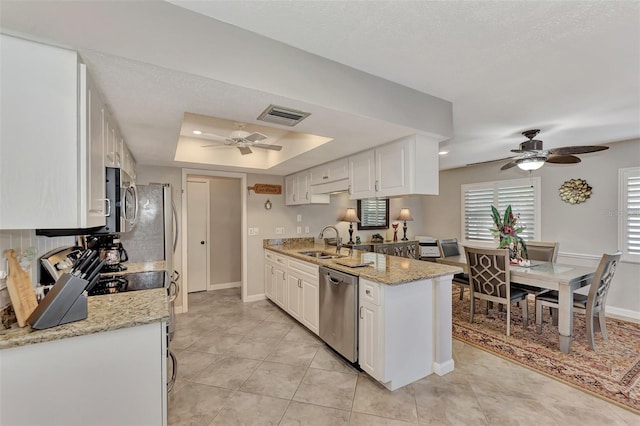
[[580, 256], [444, 368], [622, 314], [256, 298], [221, 286], [243, 198]]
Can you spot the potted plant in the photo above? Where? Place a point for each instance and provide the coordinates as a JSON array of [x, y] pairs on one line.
[[507, 229]]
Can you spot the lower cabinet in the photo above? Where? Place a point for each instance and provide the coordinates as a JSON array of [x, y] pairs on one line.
[[293, 285], [396, 331]]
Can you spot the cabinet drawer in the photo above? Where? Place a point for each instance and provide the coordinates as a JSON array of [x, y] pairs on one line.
[[370, 292], [275, 258], [304, 267]]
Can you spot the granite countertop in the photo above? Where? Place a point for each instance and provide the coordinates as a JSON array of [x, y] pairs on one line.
[[384, 269], [107, 312], [139, 267]]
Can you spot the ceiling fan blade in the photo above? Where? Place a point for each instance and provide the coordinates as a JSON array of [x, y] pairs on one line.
[[580, 149], [509, 165], [244, 150], [255, 137], [489, 161], [267, 146], [563, 159]]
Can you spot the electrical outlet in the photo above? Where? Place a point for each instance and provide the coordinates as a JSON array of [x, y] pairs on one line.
[[280, 230], [256, 231], [252, 231], [306, 229], [299, 230], [299, 219]]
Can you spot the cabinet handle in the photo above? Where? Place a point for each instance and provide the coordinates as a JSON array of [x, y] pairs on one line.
[[299, 283], [325, 177], [271, 270], [108, 212], [294, 197], [306, 196], [361, 316], [368, 292], [376, 186], [349, 190]]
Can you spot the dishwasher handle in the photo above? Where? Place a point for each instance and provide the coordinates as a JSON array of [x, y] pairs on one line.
[[331, 280]]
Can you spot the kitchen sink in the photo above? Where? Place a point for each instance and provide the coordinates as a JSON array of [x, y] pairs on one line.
[[318, 254]]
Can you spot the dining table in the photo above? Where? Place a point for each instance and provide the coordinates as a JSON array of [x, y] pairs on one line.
[[565, 279]]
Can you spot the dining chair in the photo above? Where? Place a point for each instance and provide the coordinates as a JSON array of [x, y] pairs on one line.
[[450, 247], [489, 280], [591, 305], [545, 251]]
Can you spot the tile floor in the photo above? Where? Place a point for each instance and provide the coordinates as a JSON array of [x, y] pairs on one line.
[[252, 364]]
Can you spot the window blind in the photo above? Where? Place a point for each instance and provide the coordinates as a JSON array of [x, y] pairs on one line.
[[373, 211], [629, 214]]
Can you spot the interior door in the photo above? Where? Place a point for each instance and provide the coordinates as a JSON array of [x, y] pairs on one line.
[[197, 235]]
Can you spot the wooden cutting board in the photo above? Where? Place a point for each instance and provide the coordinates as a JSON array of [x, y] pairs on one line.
[[21, 291]]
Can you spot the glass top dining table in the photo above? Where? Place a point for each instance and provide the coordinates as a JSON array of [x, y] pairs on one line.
[[546, 275]]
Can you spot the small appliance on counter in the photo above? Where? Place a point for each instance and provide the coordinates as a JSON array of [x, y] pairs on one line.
[[112, 252], [428, 248]]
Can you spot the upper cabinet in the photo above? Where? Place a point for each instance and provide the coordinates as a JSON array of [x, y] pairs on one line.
[[298, 190], [407, 166], [330, 172], [51, 144]]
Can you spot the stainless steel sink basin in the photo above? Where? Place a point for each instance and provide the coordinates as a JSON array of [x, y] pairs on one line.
[[318, 254]]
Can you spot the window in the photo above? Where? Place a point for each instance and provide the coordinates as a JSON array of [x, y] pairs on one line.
[[521, 194], [629, 214], [373, 213]]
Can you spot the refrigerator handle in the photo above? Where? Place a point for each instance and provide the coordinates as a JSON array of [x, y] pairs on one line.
[[175, 220]]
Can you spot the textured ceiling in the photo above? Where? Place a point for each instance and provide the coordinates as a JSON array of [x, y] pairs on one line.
[[568, 68]]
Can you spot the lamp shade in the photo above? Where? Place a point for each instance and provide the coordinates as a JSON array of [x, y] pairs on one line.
[[405, 214], [532, 163], [350, 216]]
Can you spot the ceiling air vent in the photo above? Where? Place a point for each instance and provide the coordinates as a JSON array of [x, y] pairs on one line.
[[285, 116]]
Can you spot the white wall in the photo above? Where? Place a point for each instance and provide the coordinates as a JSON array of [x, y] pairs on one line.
[[585, 231]]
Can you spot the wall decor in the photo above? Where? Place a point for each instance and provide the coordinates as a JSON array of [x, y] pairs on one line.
[[575, 191], [268, 204], [264, 188]]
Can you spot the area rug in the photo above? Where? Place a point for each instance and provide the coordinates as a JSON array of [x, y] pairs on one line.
[[611, 372]]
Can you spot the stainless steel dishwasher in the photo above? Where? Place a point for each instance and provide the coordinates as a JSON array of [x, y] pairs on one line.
[[339, 312]]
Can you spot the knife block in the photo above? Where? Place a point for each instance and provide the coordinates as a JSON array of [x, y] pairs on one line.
[[64, 303]]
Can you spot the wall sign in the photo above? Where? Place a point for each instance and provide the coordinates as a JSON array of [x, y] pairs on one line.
[[263, 188]]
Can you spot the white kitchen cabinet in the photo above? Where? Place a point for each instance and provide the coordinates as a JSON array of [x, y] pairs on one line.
[[50, 167], [114, 144], [396, 345], [293, 285], [298, 190], [115, 377], [403, 167], [330, 172]]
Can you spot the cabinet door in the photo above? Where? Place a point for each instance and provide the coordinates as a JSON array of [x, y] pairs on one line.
[[294, 296], [269, 279], [280, 287], [302, 188], [310, 304], [362, 179], [95, 172], [392, 169], [369, 340], [290, 190], [338, 169]]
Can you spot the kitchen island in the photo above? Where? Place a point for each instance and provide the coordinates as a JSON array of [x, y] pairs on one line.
[[107, 369], [404, 307]]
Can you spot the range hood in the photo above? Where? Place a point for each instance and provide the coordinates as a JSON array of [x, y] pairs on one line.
[[335, 187]]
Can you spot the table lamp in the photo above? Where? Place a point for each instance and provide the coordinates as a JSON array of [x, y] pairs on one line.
[[405, 215], [350, 216]]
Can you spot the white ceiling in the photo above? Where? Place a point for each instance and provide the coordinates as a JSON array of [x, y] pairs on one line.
[[568, 68]]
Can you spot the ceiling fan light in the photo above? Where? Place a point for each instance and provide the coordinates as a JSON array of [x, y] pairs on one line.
[[533, 163]]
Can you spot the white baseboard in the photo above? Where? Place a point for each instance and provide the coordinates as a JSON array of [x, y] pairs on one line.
[[222, 286], [623, 314], [255, 298], [444, 368]]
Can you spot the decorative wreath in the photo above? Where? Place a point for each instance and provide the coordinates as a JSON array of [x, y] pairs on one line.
[[575, 191]]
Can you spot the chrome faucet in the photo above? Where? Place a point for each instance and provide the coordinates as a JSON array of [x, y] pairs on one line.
[[338, 239]]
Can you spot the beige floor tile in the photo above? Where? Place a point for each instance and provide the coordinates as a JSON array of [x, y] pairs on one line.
[[254, 347], [299, 333], [196, 404], [243, 326], [276, 380], [326, 359], [293, 353], [227, 372], [185, 337], [271, 329], [443, 402], [373, 398], [250, 409], [327, 388], [280, 316], [361, 419], [215, 343], [300, 414], [503, 409], [191, 363]]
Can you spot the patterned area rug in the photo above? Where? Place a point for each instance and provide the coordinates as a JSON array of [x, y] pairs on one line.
[[612, 372]]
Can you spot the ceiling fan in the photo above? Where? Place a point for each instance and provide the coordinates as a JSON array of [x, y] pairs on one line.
[[533, 156], [240, 139]]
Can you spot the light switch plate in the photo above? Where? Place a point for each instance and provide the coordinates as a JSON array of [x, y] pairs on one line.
[[299, 218], [280, 230], [299, 229], [306, 229], [252, 231]]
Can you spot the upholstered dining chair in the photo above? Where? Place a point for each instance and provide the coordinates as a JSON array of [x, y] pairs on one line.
[[489, 280], [449, 247], [591, 305], [545, 251]]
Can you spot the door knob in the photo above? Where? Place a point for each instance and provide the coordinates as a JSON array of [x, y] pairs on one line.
[[201, 242]]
